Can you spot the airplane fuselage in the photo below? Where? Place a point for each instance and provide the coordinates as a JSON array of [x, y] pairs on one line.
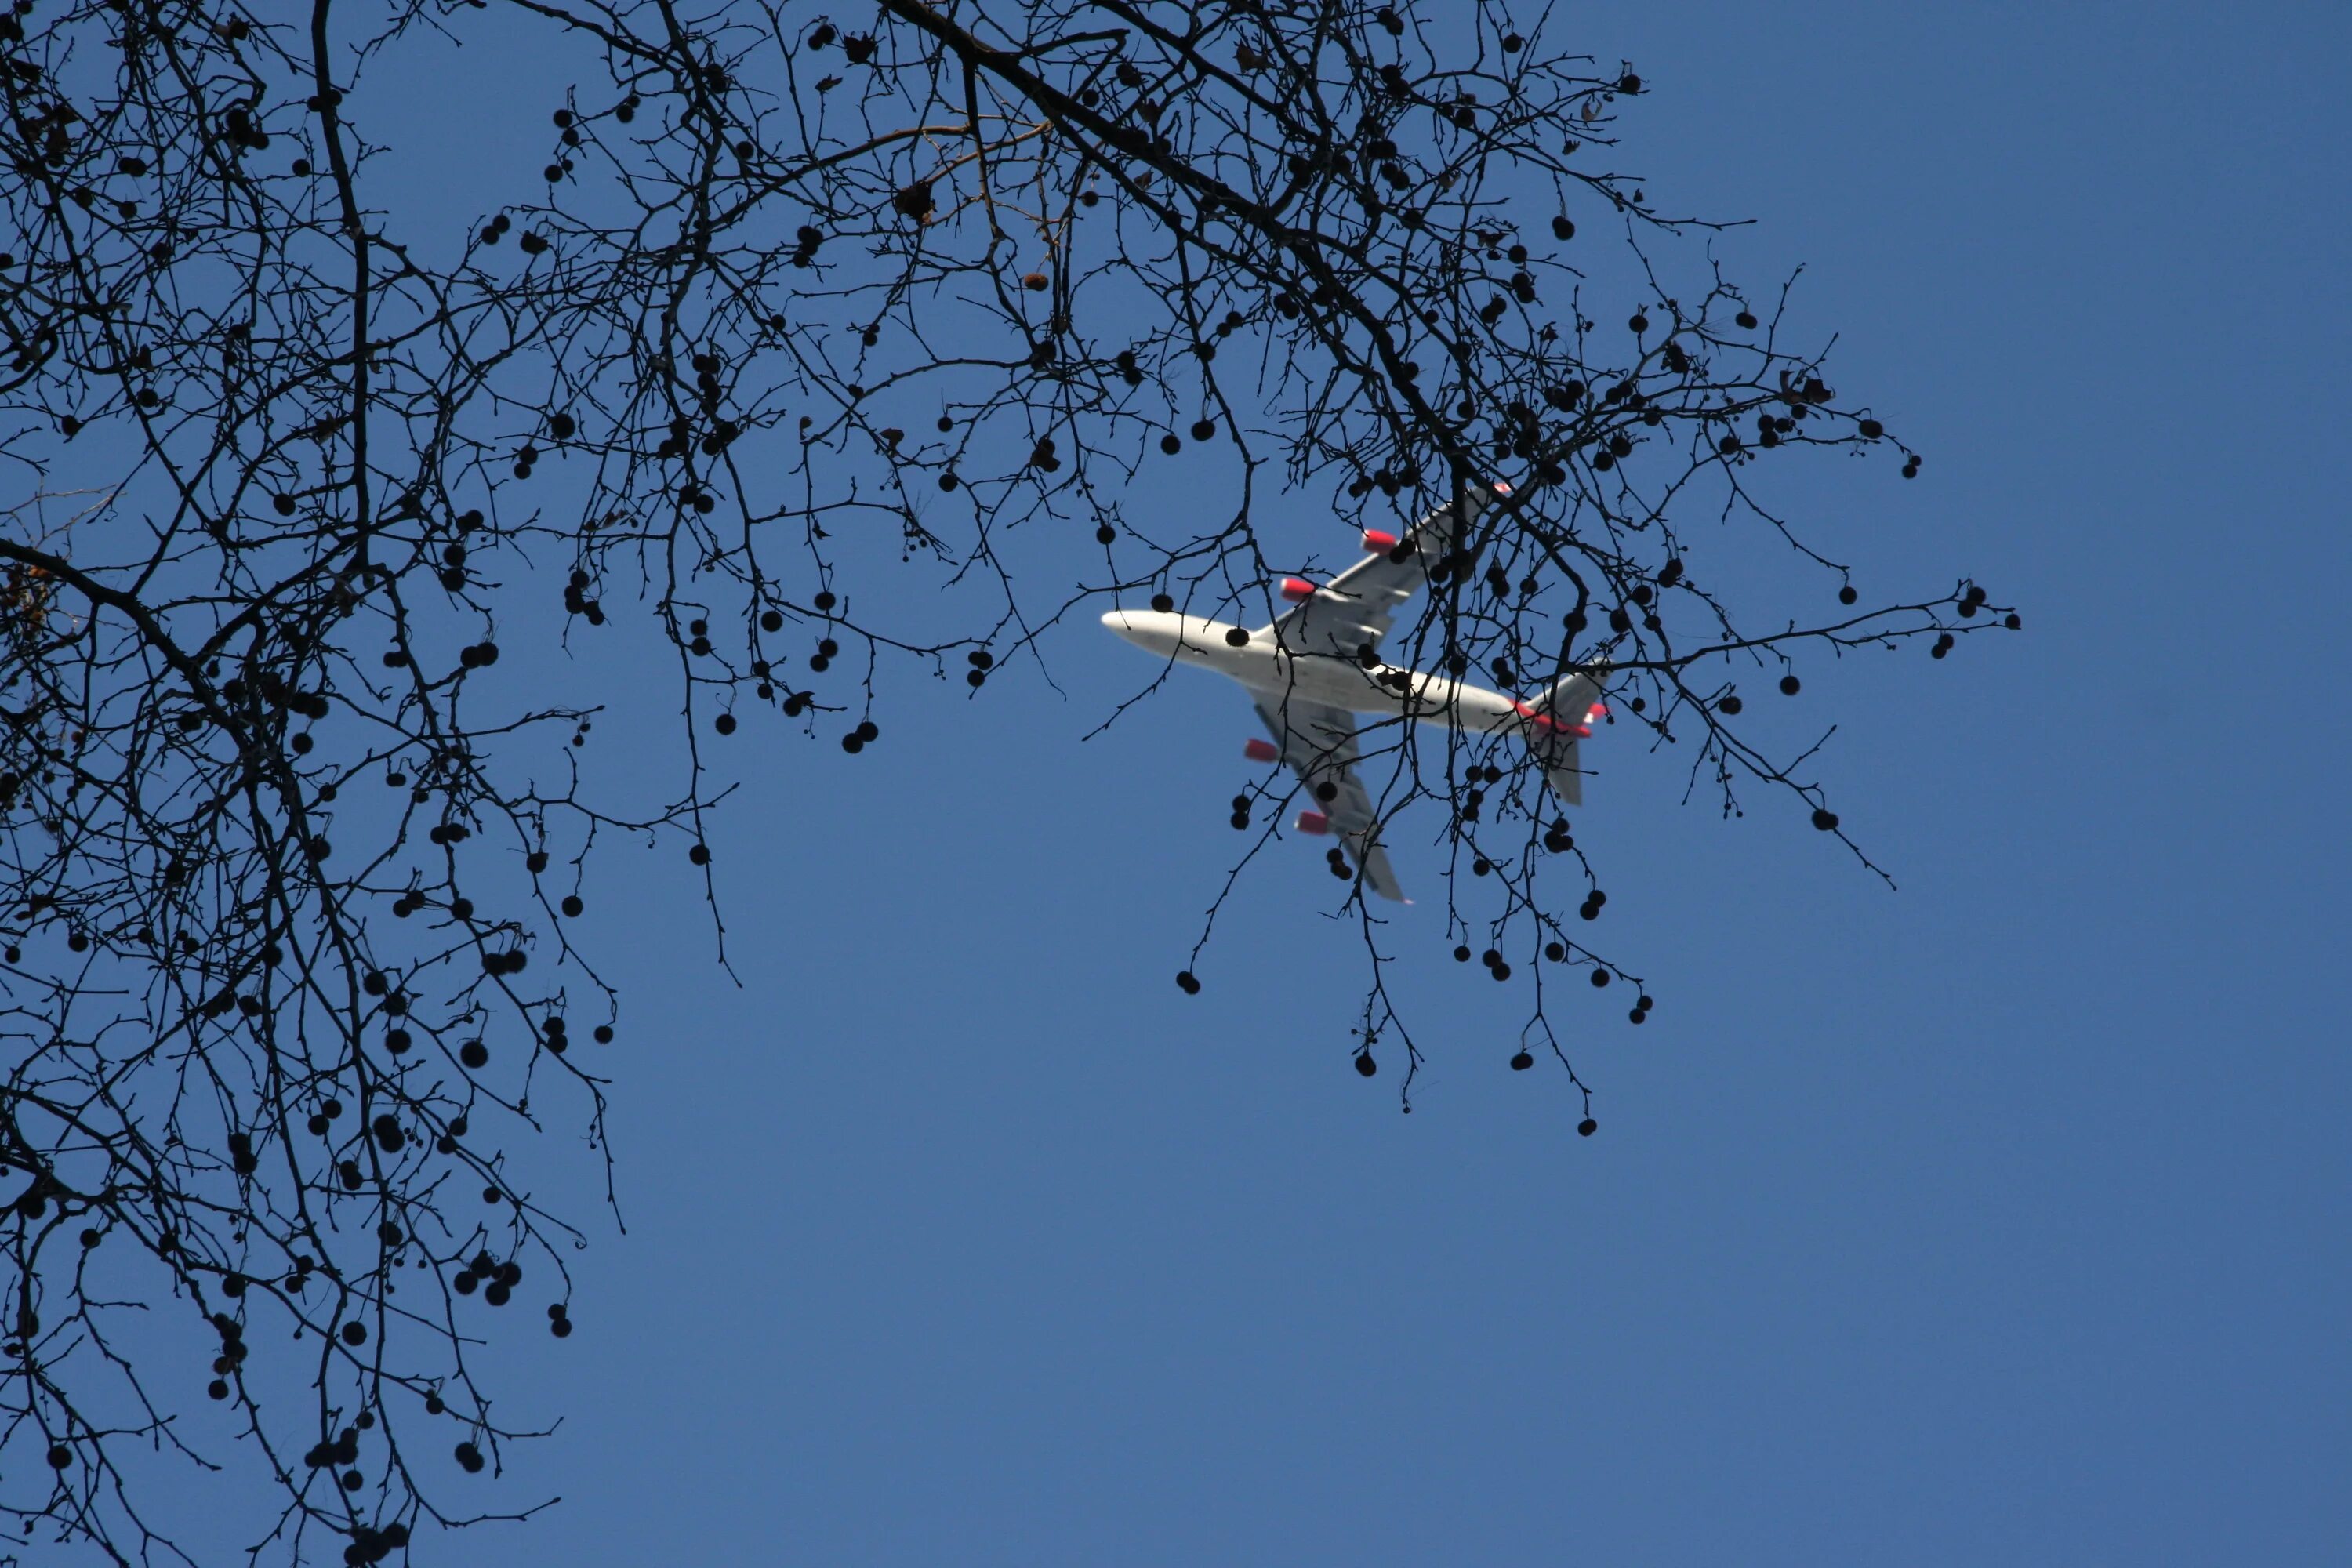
[[1272, 672]]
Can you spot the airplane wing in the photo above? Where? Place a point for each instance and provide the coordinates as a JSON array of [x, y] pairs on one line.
[[1319, 743], [1354, 610]]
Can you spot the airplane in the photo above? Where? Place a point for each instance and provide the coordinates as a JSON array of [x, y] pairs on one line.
[[1317, 666]]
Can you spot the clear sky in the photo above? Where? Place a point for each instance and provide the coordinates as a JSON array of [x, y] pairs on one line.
[[2002, 1218]]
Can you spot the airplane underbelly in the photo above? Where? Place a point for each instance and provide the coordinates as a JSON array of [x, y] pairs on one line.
[[1331, 682], [1341, 683], [1455, 705]]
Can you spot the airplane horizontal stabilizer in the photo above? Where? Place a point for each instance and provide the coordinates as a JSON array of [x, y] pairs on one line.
[[1556, 724]]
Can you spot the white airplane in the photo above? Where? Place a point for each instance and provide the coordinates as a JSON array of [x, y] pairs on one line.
[[1319, 665]]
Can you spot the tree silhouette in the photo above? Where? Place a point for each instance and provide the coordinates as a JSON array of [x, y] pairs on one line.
[[286, 971]]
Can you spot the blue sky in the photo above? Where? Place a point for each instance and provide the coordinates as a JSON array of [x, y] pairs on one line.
[[2000, 1218]]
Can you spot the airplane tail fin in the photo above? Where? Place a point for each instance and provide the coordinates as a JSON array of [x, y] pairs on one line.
[[1555, 723]]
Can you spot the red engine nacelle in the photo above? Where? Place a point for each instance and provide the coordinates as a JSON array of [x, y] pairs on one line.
[[1313, 822], [1298, 589], [1261, 751], [1378, 542]]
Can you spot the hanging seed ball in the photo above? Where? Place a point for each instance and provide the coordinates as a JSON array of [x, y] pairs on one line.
[[1847, 596], [1236, 637], [1826, 821], [1162, 603], [1790, 686], [1187, 983], [1587, 1127], [1365, 1066], [1170, 444], [1522, 1061], [1203, 430]]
